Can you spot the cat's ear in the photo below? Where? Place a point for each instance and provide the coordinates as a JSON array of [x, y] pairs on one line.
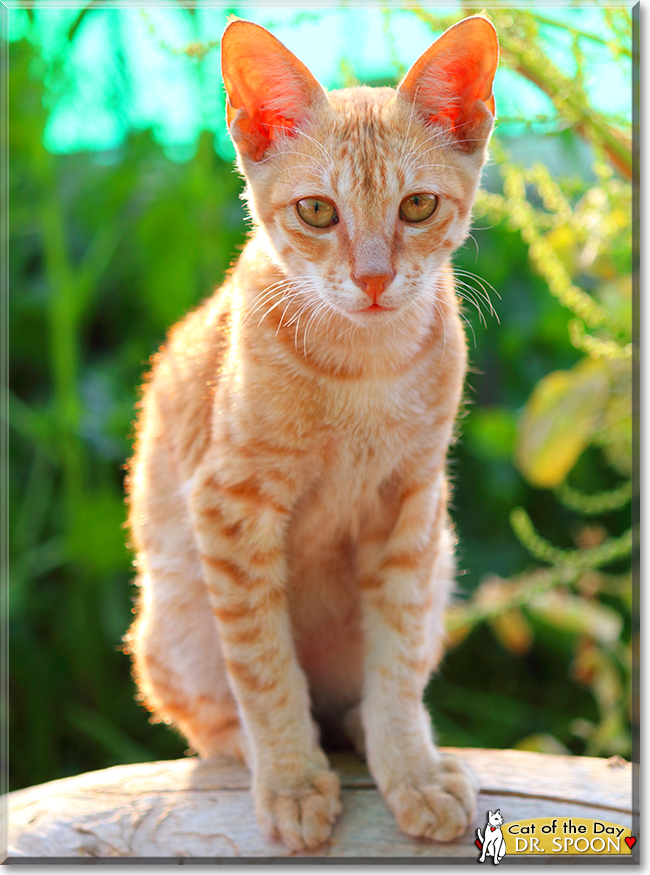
[[489, 814], [451, 83], [269, 91]]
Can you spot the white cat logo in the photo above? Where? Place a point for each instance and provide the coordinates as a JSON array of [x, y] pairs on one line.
[[493, 845]]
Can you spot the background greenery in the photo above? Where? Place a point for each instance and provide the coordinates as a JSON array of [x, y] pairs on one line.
[[108, 246]]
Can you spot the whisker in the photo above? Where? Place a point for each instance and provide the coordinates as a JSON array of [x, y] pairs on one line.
[[475, 242], [408, 129], [478, 279], [471, 300], [296, 316], [469, 325], [437, 137], [320, 145], [290, 301], [416, 152], [323, 311], [277, 304], [284, 290], [295, 337], [438, 307], [329, 321], [293, 152], [481, 292], [264, 297], [424, 166], [475, 296]]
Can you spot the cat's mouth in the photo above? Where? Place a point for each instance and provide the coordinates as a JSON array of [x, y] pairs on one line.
[[376, 308]]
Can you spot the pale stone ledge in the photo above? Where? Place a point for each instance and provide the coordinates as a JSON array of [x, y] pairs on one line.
[[195, 808]]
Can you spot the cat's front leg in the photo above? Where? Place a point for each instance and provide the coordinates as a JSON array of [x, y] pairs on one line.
[[430, 794], [241, 531]]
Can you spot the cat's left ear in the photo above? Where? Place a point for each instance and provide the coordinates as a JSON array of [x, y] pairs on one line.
[[451, 83], [270, 92]]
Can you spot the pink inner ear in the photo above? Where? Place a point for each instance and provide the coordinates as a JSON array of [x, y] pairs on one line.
[[456, 72], [262, 85], [260, 123], [466, 78], [259, 130], [269, 89]]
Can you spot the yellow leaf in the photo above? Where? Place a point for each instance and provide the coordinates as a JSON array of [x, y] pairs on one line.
[[542, 742], [558, 422], [565, 245], [580, 616], [513, 631], [617, 424]]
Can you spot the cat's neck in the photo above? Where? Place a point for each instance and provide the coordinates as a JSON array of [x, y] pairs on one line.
[[322, 338]]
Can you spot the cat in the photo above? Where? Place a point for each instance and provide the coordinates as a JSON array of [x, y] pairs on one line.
[[288, 495], [494, 844]]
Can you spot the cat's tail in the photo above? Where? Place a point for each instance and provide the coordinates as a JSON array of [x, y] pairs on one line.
[[480, 837]]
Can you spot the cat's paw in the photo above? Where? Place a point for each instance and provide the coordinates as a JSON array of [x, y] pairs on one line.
[[303, 815], [440, 807]]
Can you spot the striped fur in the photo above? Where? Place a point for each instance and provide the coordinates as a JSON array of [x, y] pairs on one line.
[[288, 491]]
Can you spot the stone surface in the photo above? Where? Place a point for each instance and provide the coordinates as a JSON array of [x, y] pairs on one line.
[[202, 809]]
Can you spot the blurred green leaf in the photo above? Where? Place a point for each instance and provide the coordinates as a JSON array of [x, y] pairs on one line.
[[578, 615], [491, 432], [96, 539], [616, 435], [109, 736]]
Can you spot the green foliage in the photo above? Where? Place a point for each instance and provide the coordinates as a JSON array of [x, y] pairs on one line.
[[105, 257], [108, 251], [579, 240]]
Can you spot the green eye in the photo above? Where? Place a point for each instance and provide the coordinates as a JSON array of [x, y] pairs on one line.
[[317, 212], [418, 207]]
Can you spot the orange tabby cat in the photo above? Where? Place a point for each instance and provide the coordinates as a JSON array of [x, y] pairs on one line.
[[288, 492]]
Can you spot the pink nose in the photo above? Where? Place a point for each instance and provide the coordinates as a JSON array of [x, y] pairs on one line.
[[374, 284]]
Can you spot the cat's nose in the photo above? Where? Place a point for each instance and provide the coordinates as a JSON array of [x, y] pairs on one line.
[[374, 284]]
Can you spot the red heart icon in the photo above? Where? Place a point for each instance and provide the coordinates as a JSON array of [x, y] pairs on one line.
[[629, 841]]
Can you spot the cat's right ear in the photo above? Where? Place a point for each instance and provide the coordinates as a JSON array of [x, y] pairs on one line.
[[269, 91]]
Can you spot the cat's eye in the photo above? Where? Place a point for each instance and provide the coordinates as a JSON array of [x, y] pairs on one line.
[[418, 207], [317, 212]]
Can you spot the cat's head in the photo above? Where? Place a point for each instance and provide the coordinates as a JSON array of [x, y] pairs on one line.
[[496, 818], [362, 193]]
